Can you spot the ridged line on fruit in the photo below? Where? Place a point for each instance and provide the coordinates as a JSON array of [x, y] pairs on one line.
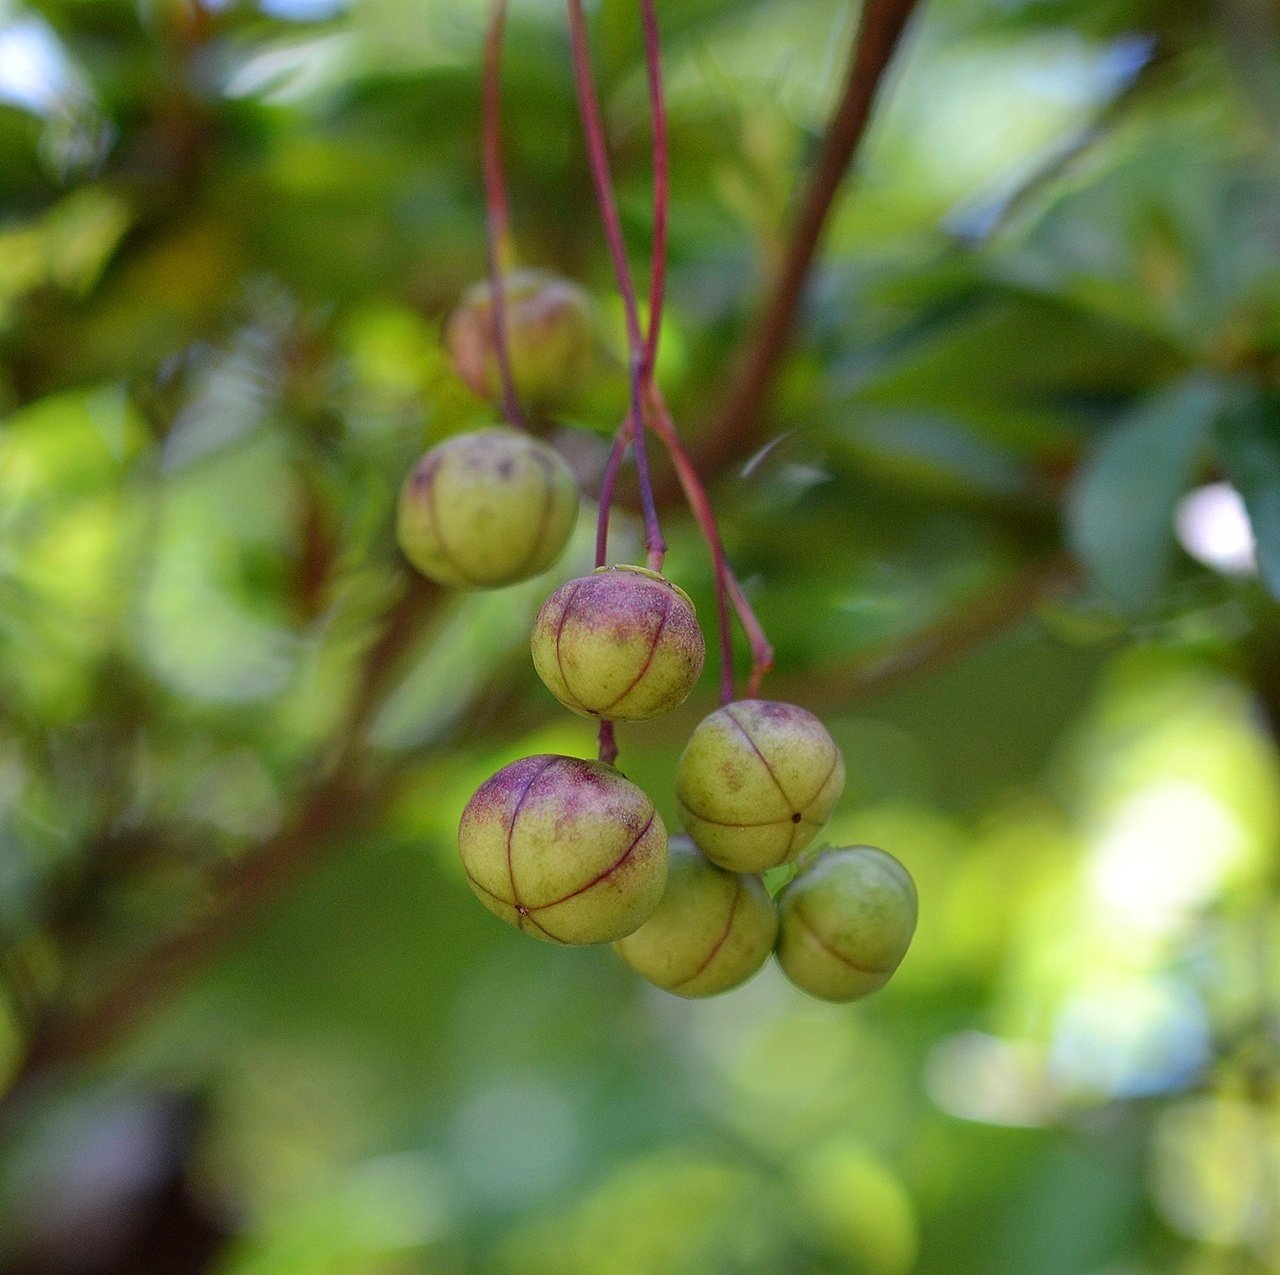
[[764, 761], [548, 499], [434, 519], [648, 661], [521, 916], [564, 619], [719, 943], [831, 951], [511, 828], [791, 839], [527, 909], [795, 817], [609, 871], [835, 761]]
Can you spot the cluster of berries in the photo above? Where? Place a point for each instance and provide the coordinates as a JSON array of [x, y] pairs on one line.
[[571, 851]]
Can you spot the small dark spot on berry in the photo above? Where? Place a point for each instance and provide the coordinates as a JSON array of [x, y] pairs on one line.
[[506, 468], [795, 818]]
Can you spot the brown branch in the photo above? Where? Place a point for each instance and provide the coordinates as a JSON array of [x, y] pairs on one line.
[[339, 799], [960, 631], [240, 894], [733, 430], [417, 601]]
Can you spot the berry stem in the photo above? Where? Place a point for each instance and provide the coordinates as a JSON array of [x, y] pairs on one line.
[[607, 484], [498, 240], [608, 744], [661, 182], [727, 587], [640, 348], [653, 541]]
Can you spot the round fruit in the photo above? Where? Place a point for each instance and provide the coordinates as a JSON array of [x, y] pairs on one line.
[[756, 782], [622, 643], [565, 849], [482, 510], [550, 338], [847, 921], [712, 930]]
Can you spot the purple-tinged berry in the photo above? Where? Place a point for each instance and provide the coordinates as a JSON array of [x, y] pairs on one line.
[[487, 509], [622, 644], [550, 338], [567, 850]]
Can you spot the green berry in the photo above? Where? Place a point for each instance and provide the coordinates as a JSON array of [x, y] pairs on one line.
[[756, 782], [622, 644], [847, 921], [564, 849], [713, 929], [487, 509], [550, 338]]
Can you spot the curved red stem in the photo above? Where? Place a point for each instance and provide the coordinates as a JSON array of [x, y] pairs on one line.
[[497, 211]]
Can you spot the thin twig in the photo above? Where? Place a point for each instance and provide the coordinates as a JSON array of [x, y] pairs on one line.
[[338, 800], [727, 587], [661, 180], [497, 210], [640, 363], [967, 626]]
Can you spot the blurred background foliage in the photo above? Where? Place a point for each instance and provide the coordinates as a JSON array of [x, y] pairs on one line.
[[1012, 519]]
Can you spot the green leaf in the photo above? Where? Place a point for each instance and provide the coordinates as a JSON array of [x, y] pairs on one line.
[[1249, 443], [1120, 513]]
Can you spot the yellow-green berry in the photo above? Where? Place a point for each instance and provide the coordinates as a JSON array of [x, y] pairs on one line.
[[622, 644], [756, 782], [567, 850], [712, 931], [487, 509], [846, 923], [551, 339]]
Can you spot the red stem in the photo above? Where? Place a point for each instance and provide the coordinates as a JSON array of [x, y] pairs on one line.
[[661, 183], [726, 582], [607, 484], [498, 216], [641, 362], [608, 744], [655, 545]]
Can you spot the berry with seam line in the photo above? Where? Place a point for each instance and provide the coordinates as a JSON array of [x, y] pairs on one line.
[[551, 338], [567, 850], [487, 509], [712, 931], [756, 782], [622, 644], [846, 923]]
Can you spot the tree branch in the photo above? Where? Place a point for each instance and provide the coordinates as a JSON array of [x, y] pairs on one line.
[[338, 800], [958, 632], [733, 430]]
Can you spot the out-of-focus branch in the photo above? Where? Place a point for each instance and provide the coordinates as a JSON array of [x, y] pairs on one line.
[[732, 432], [339, 799], [836, 686]]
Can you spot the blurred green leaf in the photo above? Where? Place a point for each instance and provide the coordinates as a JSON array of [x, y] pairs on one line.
[[1121, 508], [1248, 438]]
